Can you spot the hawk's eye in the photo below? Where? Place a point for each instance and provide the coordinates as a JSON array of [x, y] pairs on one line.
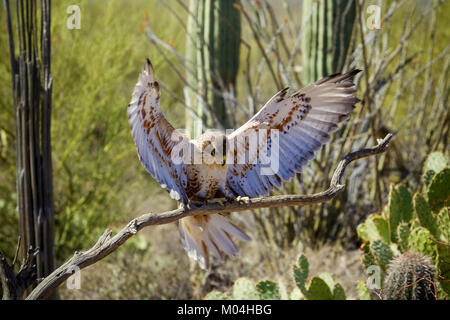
[[213, 153]]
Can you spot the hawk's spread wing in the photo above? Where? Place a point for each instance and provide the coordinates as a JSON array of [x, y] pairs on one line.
[[153, 135], [303, 121]]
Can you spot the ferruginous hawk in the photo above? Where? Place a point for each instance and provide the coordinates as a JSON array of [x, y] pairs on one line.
[[215, 165]]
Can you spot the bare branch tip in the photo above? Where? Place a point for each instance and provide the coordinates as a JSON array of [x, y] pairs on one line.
[[384, 143]]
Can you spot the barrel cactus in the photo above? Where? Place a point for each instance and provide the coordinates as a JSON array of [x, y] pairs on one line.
[[410, 277]]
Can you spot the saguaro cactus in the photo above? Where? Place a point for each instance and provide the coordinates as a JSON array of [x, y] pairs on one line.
[[328, 28], [32, 86], [213, 40]]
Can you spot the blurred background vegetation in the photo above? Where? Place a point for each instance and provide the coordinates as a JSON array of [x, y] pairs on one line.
[[99, 181]]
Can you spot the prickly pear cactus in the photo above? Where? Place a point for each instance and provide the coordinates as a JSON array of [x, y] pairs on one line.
[[400, 208], [268, 290], [321, 287], [410, 277], [419, 224], [363, 291], [245, 289], [403, 232], [439, 191], [382, 252], [436, 162]]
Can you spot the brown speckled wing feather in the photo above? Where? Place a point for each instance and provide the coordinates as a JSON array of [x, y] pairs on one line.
[[155, 137], [302, 122]]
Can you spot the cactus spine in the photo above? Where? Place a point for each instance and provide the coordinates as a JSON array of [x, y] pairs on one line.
[[328, 26], [410, 277], [213, 40]]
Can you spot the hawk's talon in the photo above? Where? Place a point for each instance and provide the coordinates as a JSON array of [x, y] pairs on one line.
[[243, 199]]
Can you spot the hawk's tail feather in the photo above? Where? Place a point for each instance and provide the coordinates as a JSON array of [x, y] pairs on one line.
[[206, 234]]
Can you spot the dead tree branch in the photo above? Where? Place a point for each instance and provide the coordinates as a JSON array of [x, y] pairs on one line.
[[13, 285], [108, 243]]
